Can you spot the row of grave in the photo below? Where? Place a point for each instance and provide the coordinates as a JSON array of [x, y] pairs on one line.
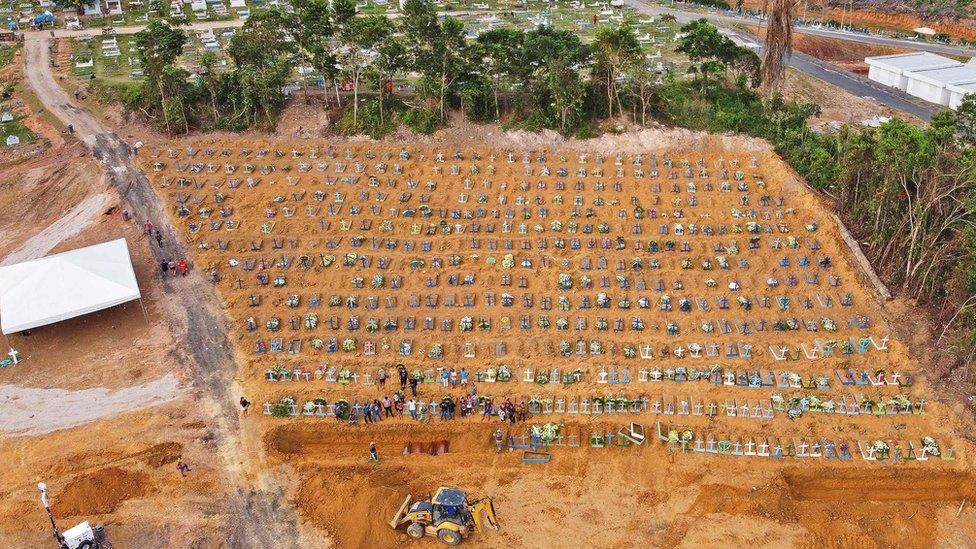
[[714, 375], [908, 450], [566, 349], [759, 409], [485, 323], [439, 157]]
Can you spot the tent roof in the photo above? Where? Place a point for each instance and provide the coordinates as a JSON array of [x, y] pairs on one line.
[[62, 286]]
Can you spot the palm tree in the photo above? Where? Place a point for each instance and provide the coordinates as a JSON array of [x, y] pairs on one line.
[[778, 43]]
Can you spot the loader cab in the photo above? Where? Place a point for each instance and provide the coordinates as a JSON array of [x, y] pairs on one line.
[[450, 505]]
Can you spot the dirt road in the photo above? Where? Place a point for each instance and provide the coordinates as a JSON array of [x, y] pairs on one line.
[[258, 516]]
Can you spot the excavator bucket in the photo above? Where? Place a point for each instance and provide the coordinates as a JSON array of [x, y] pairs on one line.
[[486, 506], [400, 513]]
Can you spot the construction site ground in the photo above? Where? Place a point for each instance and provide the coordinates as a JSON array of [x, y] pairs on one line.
[[305, 482]]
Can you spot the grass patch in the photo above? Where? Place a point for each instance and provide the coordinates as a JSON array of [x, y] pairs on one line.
[[16, 127], [7, 53]]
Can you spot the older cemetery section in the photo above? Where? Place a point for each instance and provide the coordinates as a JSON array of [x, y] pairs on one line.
[[581, 335]]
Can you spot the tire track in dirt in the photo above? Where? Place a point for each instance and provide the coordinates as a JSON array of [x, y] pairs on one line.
[[258, 517]]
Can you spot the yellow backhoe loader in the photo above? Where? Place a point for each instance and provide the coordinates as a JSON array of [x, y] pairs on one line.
[[448, 516]]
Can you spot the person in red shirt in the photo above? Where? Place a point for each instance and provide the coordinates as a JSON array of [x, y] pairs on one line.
[[181, 265]]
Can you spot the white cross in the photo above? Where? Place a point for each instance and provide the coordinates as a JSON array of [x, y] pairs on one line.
[[13, 354]]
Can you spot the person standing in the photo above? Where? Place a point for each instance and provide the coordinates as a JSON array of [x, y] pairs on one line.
[[148, 227], [374, 456], [388, 406], [245, 404], [464, 376], [402, 370], [164, 266], [181, 264], [413, 386], [412, 408], [172, 267], [381, 377], [159, 238]]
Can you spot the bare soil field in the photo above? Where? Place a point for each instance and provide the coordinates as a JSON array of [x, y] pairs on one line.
[[310, 242]]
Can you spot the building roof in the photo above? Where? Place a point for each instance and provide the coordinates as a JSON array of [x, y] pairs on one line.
[[962, 74], [62, 286], [916, 61], [962, 88]]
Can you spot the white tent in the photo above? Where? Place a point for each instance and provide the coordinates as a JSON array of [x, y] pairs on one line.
[[66, 285]]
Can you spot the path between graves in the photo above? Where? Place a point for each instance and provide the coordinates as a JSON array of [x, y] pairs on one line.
[[259, 517], [29, 411]]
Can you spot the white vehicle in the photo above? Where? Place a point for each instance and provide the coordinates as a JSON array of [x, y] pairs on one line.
[[84, 536], [73, 24]]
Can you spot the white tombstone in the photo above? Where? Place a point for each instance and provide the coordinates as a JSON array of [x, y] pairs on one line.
[[12, 140]]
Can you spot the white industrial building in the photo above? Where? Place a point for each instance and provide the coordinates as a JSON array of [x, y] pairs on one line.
[[925, 75]]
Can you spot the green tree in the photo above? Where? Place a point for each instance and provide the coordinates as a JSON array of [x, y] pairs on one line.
[[158, 46], [613, 49], [502, 54], [558, 58], [312, 27], [264, 59]]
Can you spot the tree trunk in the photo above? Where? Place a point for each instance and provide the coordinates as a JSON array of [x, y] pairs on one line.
[[355, 101]]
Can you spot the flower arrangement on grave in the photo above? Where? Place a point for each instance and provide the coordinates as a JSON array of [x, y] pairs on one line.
[[930, 446], [349, 344], [880, 448], [630, 351], [466, 324], [436, 351], [309, 407], [867, 403], [669, 245], [684, 304], [814, 403], [417, 263], [665, 300], [596, 348], [342, 409], [597, 400], [783, 302], [736, 229], [345, 376], [372, 325], [273, 324], [547, 432], [564, 347], [484, 323], [504, 373], [508, 261], [282, 408], [602, 300], [603, 228], [672, 329], [601, 324], [572, 377], [723, 262], [685, 263], [417, 374], [828, 324], [316, 343], [542, 377], [378, 280]]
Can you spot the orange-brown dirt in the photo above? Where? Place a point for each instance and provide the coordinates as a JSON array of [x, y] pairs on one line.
[[119, 470], [843, 53], [617, 497], [888, 21]]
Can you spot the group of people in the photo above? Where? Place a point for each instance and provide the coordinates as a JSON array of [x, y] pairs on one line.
[[178, 267]]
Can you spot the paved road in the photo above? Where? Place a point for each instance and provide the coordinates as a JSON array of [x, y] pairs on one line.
[[853, 83], [258, 518], [725, 20]]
